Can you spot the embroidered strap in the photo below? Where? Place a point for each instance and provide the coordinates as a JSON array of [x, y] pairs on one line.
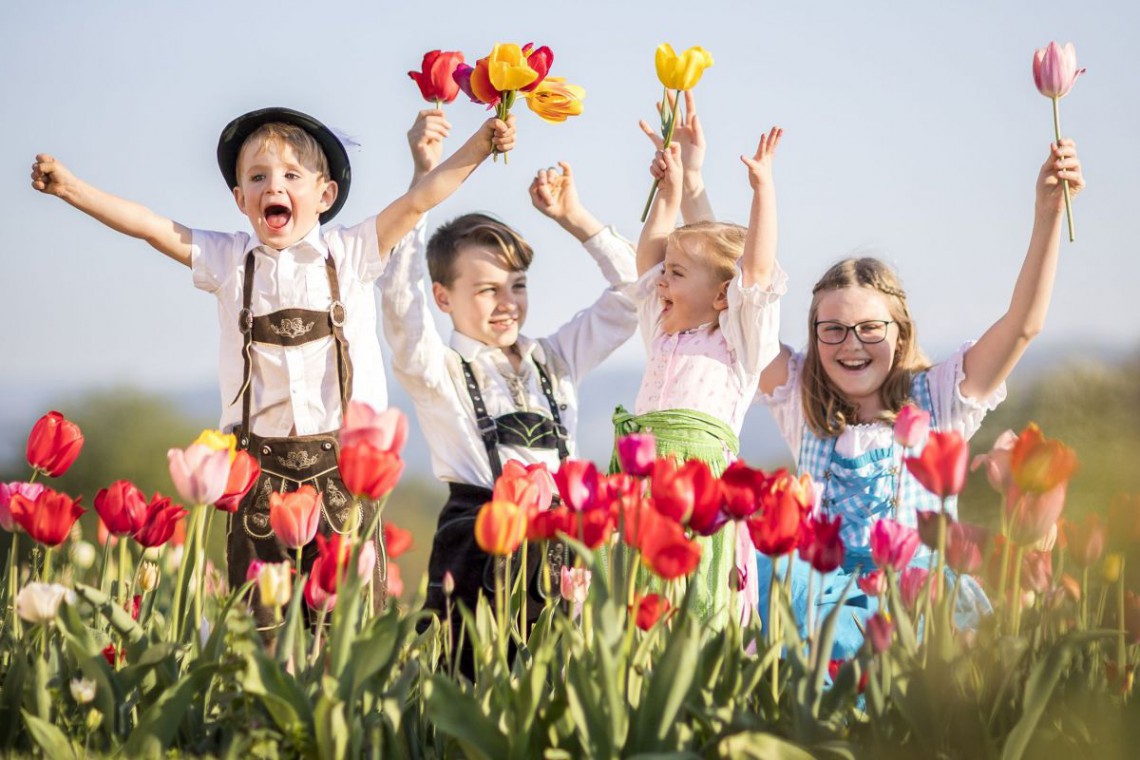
[[489, 428], [689, 433], [290, 327]]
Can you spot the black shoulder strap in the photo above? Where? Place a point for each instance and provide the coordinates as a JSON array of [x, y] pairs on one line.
[[487, 429]]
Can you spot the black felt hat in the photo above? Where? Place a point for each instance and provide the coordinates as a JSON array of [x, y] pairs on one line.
[[235, 133]]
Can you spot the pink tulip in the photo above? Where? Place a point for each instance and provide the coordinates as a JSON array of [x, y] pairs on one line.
[[637, 452], [1032, 515], [879, 630], [315, 596], [1037, 571], [893, 544], [385, 431], [911, 426], [873, 583], [1055, 69], [29, 491], [910, 585], [964, 547], [997, 462], [199, 472], [575, 586]]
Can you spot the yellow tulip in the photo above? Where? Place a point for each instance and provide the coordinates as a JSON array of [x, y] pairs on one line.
[[219, 441], [681, 72], [508, 68], [1110, 570], [555, 101]]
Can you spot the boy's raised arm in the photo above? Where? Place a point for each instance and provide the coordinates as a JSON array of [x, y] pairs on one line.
[[401, 215], [555, 195], [51, 177]]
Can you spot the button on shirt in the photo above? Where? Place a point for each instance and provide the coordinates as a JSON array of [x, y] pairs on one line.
[[430, 370], [295, 387]]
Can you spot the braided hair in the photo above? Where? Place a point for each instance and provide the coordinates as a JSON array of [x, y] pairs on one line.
[[827, 410]]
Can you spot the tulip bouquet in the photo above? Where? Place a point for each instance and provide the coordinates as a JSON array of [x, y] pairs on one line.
[[497, 80], [1055, 72], [676, 73]]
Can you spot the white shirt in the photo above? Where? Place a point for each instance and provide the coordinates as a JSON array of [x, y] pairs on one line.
[[294, 387], [712, 371], [952, 410], [431, 373]]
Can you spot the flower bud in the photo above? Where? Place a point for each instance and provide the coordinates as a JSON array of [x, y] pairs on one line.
[[82, 555], [448, 583], [82, 690], [148, 577], [274, 584]]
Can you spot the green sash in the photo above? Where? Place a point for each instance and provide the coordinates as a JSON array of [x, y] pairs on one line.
[[685, 432]]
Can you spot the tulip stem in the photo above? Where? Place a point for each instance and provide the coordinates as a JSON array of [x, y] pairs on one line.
[[1064, 182], [1016, 590], [106, 563], [13, 581], [1121, 650], [664, 146], [45, 568], [121, 592]]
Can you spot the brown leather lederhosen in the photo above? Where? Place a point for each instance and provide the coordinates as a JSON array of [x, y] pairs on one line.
[[289, 462]]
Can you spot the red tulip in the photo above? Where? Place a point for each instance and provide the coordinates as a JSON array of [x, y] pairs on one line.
[[592, 527], [396, 540], [500, 527], [637, 453], [385, 431], [1040, 464], [528, 486], [688, 493], [435, 79], [668, 553], [928, 521], [941, 468], [369, 472], [53, 444], [649, 610], [1055, 69], [1085, 540], [578, 484], [893, 544], [244, 472], [29, 491], [834, 666], [823, 550], [395, 581], [873, 583], [49, 518], [547, 524], [783, 505], [160, 522], [315, 596], [741, 487], [911, 426], [294, 517], [122, 507], [879, 630], [332, 559], [539, 60]]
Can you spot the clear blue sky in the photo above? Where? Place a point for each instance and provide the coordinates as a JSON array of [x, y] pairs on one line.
[[912, 130]]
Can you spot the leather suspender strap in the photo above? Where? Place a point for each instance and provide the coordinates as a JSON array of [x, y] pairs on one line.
[[487, 429], [337, 315], [559, 428]]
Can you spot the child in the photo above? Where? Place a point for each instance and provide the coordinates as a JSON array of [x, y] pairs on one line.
[[835, 404], [710, 327], [295, 304], [491, 394]]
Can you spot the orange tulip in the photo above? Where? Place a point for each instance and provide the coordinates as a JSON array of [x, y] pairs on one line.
[[1040, 464], [295, 516], [529, 486], [500, 527]]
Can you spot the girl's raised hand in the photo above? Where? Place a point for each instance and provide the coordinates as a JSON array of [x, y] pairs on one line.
[[553, 193], [760, 165], [1062, 164], [426, 137], [687, 133]]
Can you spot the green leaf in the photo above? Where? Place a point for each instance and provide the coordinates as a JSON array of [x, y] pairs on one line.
[[284, 700], [584, 705], [51, 740], [158, 726], [458, 715], [669, 685], [759, 745]]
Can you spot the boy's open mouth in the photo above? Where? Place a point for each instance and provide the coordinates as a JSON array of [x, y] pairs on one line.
[[277, 216]]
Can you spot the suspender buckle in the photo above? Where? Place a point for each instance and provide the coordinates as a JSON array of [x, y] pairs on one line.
[[487, 427], [337, 313], [561, 431], [245, 321]]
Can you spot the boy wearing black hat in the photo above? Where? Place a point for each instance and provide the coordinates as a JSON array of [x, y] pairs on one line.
[[295, 302]]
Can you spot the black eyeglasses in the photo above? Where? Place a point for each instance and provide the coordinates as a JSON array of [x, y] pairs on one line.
[[834, 333]]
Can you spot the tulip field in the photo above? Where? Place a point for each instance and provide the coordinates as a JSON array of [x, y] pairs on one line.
[[141, 649]]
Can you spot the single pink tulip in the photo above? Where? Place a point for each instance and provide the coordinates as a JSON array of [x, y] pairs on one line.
[[1055, 69], [964, 547], [911, 582], [385, 431], [873, 583], [893, 544], [637, 452], [199, 472], [1032, 515], [879, 631], [911, 426], [574, 587], [997, 462], [1037, 572]]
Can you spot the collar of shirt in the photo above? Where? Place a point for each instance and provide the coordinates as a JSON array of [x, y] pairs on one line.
[[309, 248], [470, 349]]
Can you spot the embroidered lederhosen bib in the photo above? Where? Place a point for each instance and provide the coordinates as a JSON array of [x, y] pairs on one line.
[[289, 462]]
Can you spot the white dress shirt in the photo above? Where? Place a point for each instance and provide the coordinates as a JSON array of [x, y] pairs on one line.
[[295, 388], [431, 373]]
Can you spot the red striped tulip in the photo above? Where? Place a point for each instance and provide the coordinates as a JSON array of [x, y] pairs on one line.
[[500, 527], [893, 544], [911, 426], [294, 516], [53, 444], [941, 468], [244, 472], [49, 518], [436, 76], [200, 473], [122, 507], [160, 522], [1055, 69]]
